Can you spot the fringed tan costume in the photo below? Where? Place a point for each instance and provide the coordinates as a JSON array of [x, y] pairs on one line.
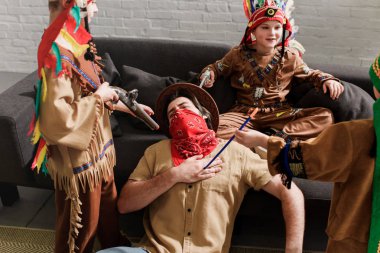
[[81, 154], [74, 137]]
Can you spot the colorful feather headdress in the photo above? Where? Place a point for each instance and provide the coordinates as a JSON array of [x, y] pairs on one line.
[[74, 38], [286, 7]]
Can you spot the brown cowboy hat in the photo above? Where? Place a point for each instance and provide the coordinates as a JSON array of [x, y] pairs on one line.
[[203, 97]]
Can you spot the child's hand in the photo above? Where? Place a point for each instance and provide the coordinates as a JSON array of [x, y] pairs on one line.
[[106, 93], [147, 109], [251, 138], [335, 88], [120, 106], [210, 82]]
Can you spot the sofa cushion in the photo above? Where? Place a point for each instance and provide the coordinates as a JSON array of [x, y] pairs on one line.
[[148, 85], [110, 72], [353, 103], [222, 91]]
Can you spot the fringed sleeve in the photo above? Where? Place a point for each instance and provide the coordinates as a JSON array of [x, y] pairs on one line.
[[303, 73], [225, 66], [67, 118]]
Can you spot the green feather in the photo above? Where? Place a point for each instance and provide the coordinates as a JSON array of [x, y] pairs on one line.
[[75, 12], [58, 67], [38, 97], [43, 166], [260, 3]]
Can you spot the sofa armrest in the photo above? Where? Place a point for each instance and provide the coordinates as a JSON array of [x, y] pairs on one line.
[[352, 74], [16, 150]]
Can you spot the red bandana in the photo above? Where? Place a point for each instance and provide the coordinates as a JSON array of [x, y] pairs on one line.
[[190, 136]]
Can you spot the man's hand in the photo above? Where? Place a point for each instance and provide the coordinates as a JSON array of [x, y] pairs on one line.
[[120, 106], [251, 138], [210, 82], [335, 88], [138, 194], [106, 93], [191, 170]]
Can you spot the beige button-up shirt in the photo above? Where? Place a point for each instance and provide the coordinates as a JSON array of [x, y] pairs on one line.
[[198, 217]]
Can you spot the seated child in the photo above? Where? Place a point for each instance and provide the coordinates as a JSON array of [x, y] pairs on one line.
[[262, 72], [346, 154]]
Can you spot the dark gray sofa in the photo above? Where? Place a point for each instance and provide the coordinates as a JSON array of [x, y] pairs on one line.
[[259, 222]]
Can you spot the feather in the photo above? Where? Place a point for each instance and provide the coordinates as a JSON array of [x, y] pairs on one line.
[[41, 157], [31, 125], [36, 133], [258, 4], [289, 8], [38, 97], [41, 145], [43, 90], [43, 167], [57, 54], [75, 13], [68, 42]]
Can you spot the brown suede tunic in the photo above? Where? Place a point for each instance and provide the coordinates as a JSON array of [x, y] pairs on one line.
[[248, 75], [340, 154]]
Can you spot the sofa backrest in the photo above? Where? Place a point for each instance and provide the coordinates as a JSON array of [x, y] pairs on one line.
[[177, 58], [161, 57]]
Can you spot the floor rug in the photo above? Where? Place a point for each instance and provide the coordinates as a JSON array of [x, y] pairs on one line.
[[33, 240], [243, 249], [26, 240]]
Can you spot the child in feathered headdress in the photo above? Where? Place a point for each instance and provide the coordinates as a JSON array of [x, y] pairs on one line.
[[72, 129], [262, 69], [346, 154]]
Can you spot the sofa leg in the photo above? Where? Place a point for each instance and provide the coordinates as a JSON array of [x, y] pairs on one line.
[[8, 194]]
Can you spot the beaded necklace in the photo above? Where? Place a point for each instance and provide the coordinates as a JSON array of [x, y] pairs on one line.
[[258, 70]]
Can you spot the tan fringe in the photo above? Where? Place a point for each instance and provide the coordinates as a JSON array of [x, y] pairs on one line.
[[101, 170], [378, 247], [75, 217]]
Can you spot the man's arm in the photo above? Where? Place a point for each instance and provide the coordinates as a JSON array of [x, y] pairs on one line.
[[293, 209], [136, 195]]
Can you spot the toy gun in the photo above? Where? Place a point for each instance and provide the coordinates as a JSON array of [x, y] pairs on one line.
[[207, 76], [129, 99]]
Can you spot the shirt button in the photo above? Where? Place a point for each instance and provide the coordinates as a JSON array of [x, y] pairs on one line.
[[189, 210], [188, 233]]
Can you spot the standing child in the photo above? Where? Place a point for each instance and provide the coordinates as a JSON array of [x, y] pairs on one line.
[[262, 73], [73, 130]]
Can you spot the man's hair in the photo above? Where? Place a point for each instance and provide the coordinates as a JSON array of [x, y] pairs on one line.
[[187, 94], [54, 5]]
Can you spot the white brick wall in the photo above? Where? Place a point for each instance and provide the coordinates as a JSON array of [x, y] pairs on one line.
[[333, 31]]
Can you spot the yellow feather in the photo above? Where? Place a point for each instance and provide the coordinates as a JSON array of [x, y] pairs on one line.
[[73, 46], [44, 85], [41, 158], [36, 133]]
